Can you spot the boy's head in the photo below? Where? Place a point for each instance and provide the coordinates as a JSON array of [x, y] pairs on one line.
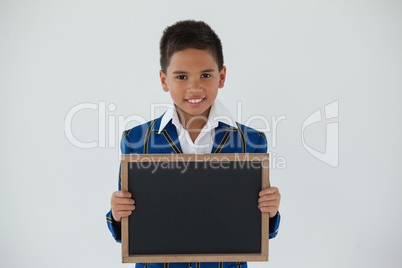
[[189, 34], [191, 69]]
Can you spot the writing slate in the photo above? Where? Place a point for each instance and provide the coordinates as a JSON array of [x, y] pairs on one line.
[[194, 207]]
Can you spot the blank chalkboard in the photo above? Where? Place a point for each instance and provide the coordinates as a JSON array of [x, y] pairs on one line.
[[192, 207]]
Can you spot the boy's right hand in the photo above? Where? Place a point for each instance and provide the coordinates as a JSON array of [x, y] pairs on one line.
[[122, 205]]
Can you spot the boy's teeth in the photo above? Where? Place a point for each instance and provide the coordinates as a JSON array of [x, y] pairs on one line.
[[195, 100]]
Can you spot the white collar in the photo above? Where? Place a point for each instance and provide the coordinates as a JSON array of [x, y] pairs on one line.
[[218, 113]]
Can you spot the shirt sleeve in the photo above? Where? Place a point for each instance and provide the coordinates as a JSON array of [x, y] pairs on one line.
[[274, 221], [115, 227]]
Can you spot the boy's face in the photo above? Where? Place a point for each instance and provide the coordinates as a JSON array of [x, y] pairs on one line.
[[193, 80]]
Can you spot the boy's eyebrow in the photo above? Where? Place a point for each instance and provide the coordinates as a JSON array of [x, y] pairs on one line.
[[208, 71], [203, 71]]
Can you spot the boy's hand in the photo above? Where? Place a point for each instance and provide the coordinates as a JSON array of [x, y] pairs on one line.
[[122, 205], [269, 201]]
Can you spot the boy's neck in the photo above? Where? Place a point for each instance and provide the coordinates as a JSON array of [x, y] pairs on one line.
[[193, 123]]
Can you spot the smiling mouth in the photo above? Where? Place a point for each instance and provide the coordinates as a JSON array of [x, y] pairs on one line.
[[195, 101]]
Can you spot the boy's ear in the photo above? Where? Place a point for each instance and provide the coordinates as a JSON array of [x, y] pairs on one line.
[[163, 78], [222, 77]]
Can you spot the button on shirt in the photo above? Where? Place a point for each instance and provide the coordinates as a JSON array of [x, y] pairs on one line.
[[205, 139]]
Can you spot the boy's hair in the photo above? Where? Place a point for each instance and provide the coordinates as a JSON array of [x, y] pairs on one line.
[[189, 34]]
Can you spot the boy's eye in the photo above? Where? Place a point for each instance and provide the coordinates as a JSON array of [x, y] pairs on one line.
[[181, 77], [205, 75]]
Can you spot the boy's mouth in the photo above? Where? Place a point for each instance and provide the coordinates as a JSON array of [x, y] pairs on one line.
[[195, 101]]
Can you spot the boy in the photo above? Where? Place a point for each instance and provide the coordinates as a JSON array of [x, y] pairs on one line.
[[192, 71]]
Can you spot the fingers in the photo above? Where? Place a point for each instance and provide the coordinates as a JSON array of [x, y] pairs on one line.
[[122, 205], [125, 213], [269, 201], [122, 211], [119, 214], [271, 210], [268, 197], [271, 193], [124, 201], [122, 197], [123, 194], [269, 190]]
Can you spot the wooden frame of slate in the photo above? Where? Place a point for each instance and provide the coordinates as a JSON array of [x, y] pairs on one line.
[[195, 208]]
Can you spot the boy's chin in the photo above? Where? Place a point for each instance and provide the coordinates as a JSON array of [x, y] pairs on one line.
[[195, 111]]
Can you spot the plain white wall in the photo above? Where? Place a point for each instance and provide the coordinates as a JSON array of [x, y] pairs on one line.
[[284, 58]]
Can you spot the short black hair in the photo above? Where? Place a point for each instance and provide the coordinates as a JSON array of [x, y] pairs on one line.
[[189, 34]]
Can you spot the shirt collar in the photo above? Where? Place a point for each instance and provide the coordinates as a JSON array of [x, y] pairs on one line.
[[218, 113]]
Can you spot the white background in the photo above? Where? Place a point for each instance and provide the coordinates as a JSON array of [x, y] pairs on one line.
[[283, 58]]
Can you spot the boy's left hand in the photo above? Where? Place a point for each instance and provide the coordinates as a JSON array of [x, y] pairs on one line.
[[269, 201]]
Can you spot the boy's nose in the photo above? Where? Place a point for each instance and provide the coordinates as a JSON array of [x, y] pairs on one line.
[[194, 85]]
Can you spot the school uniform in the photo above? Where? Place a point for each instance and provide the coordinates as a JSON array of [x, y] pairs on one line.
[[165, 135]]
